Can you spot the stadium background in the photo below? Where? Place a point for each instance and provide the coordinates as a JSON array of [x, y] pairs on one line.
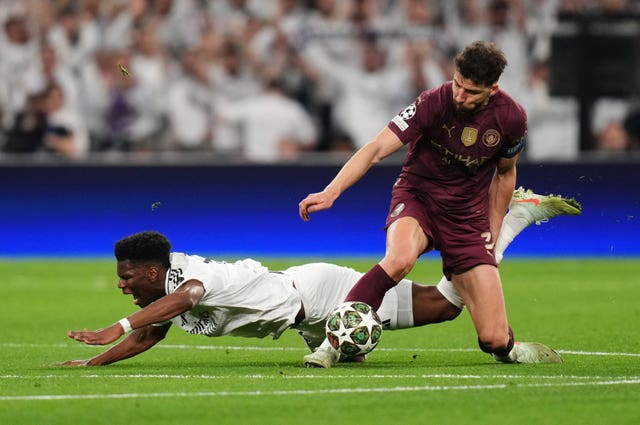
[[207, 200], [239, 210], [138, 168]]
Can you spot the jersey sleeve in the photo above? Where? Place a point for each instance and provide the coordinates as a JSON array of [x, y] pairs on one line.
[[411, 122], [186, 268], [516, 132]]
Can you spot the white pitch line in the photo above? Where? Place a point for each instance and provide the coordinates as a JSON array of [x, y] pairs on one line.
[[309, 392], [598, 353]]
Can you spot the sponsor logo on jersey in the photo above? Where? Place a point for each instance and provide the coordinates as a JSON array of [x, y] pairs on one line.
[[469, 136], [448, 157], [397, 210], [490, 138]]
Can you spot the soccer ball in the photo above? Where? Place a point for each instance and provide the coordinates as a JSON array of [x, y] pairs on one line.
[[353, 328]]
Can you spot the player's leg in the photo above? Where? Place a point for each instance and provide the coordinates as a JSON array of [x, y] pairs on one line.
[[322, 287], [396, 309], [406, 241], [404, 306], [410, 304], [434, 304], [481, 291], [526, 208]]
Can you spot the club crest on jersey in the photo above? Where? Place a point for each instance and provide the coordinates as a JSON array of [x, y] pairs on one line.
[[469, 136], [490, 138], [397, 210]]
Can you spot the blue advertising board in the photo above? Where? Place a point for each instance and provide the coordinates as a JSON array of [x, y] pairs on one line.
[[70, 211]]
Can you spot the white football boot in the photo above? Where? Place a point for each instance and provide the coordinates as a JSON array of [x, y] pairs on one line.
[[538, 209], [324, 356], [526, 208], [530, 352]]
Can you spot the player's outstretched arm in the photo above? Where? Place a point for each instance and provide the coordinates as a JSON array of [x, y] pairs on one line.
[[383, 145], [183, 299], [138, 341]]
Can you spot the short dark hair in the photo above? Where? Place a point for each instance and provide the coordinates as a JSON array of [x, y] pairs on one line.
[[148, 246], [481, 62]]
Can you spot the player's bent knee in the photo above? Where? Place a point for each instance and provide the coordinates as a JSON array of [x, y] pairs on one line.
[[449, 312], [398, 266]]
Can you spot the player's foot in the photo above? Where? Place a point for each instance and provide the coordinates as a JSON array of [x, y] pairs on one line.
[[530, 352], [536, 208], [325, 357]]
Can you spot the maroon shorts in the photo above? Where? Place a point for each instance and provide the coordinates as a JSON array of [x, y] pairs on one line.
[[463, 242]]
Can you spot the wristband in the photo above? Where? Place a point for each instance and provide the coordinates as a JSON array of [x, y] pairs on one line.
[[126, 326]]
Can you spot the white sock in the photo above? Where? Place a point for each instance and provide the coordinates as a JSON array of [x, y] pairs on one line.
[[511, 227], [448, 291]]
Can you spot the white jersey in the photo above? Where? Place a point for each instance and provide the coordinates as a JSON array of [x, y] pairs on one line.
[[246, 299], [240, 299]]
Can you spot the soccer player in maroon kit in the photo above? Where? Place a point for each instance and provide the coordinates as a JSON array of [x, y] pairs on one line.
[[454, 189]]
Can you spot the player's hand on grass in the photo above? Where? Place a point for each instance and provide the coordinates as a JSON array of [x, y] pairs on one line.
[[99, 337], [315, 202]]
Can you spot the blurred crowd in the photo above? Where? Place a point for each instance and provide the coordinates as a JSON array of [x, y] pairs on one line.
[[269, 79]]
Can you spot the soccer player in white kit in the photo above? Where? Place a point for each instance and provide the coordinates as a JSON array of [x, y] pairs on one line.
[[215, 298]]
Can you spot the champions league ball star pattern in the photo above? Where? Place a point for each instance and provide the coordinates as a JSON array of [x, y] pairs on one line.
[[354, 328]]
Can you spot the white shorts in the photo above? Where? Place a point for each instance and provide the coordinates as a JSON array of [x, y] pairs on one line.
[[324, 286]]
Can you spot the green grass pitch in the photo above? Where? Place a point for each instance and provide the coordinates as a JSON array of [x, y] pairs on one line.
[[587, 309]]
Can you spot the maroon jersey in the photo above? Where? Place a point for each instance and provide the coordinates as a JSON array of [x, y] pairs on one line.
[[452, 157]]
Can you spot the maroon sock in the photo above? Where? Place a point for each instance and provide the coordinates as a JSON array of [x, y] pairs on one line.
[[371, 287]]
